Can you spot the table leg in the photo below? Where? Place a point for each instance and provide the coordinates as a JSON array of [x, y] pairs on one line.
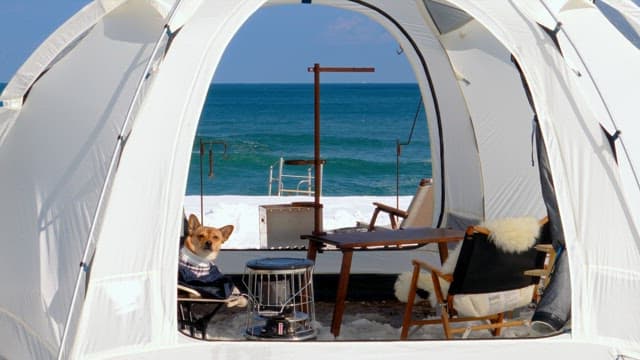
[[312, 251], [444, 252], [341, 296]]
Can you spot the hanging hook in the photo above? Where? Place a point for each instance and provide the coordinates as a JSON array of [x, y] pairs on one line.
[[209, 144]]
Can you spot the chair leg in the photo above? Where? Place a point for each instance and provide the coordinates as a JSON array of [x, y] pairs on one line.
[[374, 217], [408, 310], [203, 322], [190, 322], [444, 314], [496, 331], [394, 224], [187, 319], [182, 318]]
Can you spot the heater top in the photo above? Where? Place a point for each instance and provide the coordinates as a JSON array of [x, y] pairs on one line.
[[279, 264]]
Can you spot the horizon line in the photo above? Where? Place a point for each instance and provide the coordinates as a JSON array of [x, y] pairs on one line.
[[297, 82]]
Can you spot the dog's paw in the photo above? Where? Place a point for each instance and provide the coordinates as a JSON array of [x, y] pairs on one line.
[[239, 301]]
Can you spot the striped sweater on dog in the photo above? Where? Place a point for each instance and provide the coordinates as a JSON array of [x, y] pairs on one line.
[[203, 276]]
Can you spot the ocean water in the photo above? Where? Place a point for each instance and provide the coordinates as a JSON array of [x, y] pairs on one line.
[[360, 126]]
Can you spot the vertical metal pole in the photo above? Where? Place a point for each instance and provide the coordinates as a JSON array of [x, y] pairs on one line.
[[270, 178], [280, 169], [398, 150], [316, 140], [317, 223], [201, 184]]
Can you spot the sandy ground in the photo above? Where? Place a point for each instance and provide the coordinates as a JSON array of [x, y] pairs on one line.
[[379, 320]]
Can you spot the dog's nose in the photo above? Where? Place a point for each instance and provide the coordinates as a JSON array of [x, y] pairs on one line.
[[207, 245]]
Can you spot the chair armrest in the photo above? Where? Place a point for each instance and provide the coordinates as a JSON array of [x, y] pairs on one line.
[[536, 272], [547, 268], [433, 270], [391, 210], [548, 248], [192, 293], [436, 275], [551, 255], [393, 213]]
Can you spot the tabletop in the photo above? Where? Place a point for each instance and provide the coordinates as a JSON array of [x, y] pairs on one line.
[[410, 236]]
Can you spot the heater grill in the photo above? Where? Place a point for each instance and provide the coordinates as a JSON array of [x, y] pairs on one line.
[[281, 299]]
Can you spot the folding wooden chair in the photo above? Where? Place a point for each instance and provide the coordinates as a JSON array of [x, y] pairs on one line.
[[484, 274], [418, 214]]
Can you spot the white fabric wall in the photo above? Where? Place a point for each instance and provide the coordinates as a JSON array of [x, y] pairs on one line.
[[618, 84], [7, 119], [54, 162], [46, 53], [136, 289], [600, 233], [556, 348], [502, 120]]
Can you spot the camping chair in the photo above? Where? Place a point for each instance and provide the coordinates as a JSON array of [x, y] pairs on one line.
[[187, 318], [486, 283], [419, 213]]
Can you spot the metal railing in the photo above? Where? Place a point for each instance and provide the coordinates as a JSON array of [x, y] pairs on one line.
[[303, 183]]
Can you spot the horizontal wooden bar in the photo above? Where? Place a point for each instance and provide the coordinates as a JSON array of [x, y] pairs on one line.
[[342, 69]]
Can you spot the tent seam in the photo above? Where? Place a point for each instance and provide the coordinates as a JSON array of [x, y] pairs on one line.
[[50, 347]]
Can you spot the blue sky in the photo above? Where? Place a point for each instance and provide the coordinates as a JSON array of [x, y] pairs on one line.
[[277, 44]]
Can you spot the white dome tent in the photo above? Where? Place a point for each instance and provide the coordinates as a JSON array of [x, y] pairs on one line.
[[135, 75]]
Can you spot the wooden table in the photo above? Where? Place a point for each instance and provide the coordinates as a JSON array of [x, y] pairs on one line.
[[375, 240]]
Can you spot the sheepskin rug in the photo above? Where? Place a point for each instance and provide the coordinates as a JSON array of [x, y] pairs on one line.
[[512, 235]]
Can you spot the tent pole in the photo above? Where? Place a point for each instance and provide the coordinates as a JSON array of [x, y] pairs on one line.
[[117, 152]]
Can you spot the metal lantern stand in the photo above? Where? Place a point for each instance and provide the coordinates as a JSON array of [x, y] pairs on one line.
[[281, 299]]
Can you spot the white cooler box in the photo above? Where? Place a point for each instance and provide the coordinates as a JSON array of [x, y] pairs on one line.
[[282, 224]]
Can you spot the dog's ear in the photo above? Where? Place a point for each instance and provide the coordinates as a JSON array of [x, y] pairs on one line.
[[194, 223], [226, 232], [188, 243]]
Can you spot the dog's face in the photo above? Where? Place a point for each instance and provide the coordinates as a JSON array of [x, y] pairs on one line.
[[205, 241]]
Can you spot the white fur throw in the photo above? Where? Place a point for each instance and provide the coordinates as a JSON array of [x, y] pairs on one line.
[[512, 235]]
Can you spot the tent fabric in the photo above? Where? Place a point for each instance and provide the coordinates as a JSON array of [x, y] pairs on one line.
[[608, 77], [616, 266], [628, 9], [149, 310], [69, 32], [446, 18], [481, 148], [7, 119], [510, 128], [43, 57], [55, 185]]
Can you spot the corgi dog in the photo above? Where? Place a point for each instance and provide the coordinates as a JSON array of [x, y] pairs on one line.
[[197, 268], [206, 241]]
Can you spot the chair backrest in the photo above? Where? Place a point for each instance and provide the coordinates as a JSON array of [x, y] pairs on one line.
[[482, 267], [421, 207]]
